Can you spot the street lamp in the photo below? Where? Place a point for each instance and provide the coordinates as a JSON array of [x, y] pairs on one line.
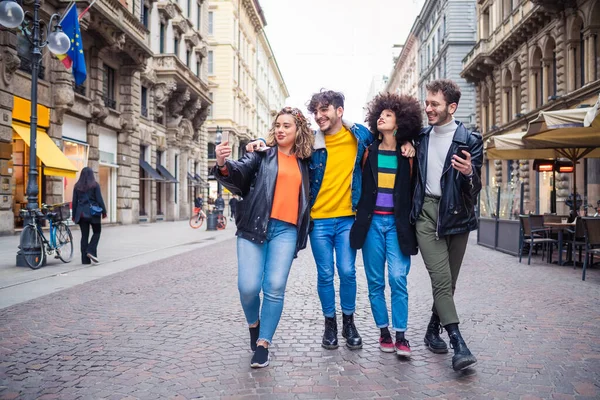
[[218, 138], [40, 34]]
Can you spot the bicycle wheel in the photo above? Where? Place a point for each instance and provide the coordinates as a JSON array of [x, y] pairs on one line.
[[64, 242], [33, 247], [196, 221], [221, 222]]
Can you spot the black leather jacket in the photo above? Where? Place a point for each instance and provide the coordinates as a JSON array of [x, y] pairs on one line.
[[253, 178], [459, 193]]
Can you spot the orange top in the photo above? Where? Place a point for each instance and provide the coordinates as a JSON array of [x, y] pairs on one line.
[[287, 189]]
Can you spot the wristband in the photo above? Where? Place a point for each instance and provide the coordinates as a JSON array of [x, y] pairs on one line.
[[221, 166]]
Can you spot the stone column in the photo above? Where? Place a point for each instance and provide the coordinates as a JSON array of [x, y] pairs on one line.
[[9, 62], [171, 212], [184, 157], [515, 109], [561, 58]]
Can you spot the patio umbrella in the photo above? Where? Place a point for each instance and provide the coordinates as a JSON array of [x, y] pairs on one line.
[[574, 134], [511, 146]]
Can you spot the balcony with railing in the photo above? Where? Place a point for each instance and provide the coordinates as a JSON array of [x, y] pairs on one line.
[[110, 102]]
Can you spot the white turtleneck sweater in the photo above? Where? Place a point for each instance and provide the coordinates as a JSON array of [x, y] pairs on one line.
[[440, 140]]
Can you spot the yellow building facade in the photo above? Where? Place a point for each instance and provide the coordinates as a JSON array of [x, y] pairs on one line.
[[245, 83]]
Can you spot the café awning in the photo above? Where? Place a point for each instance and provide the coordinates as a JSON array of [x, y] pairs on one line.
[[511, 146], [54, 160], [168, 177], [151, 172]]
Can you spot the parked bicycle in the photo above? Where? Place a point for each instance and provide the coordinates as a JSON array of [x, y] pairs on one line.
[[198, 218], [60, 241]]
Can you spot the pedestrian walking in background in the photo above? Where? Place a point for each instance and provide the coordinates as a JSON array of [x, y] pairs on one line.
[[88, 209], [274, 220], [450, 158], [232, 207], [335, 185], [220, 204], [382, 227], [199, 202]]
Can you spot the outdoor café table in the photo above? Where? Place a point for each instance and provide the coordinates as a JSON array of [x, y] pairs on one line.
[[560, 226]]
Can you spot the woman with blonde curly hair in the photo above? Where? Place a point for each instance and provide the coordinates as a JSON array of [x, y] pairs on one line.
[[382, 227], [272, 220]]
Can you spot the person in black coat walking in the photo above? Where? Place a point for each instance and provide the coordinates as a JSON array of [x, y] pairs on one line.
[[382, 227], [232, 207], [88, 208]]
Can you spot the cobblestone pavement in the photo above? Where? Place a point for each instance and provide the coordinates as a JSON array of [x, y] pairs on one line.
[[174, 329]]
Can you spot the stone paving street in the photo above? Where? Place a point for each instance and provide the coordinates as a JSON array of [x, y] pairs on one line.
[[174, 329]]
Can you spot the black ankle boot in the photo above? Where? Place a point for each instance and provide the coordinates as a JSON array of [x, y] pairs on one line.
[[433, 341], [350, 333], [330, 340], [462, 357]]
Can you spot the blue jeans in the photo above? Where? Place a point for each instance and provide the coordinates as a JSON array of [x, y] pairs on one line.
[[380, 245], [266, 266], [329, 235]]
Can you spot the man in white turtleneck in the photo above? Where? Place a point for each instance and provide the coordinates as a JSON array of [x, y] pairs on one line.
[[440, 140], [443, 210]]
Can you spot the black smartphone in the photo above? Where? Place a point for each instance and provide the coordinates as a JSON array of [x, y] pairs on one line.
[[460, 153]]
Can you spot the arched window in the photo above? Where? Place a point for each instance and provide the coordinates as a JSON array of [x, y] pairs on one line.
[[537, 78], [517, 89], [550, 67], [576, 46]]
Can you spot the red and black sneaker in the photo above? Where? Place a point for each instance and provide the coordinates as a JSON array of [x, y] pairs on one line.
[[403, 347], [386, 344]]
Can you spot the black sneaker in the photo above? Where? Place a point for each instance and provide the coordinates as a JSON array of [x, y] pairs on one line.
[[260, 359]]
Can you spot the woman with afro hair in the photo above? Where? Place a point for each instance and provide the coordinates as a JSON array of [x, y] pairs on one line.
[[382, 227]]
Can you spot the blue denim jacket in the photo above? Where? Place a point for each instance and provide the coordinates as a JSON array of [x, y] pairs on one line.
[[318, 161]]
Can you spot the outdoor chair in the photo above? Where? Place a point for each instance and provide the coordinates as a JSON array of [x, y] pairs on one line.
[[577, 239], [591, 229], [534, 234]]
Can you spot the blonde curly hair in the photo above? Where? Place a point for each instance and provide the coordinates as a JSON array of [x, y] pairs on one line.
[[305, 138]]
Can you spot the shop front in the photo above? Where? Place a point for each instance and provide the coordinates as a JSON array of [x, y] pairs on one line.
[[107, 171], [76, 148], [51, 161]]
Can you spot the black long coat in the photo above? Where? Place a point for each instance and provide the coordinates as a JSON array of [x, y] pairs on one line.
[[83, 200]]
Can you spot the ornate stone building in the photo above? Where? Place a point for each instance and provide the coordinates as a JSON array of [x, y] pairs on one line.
[[404, 78], [533, 56], [446, 33], [246, 85], [137, 120]]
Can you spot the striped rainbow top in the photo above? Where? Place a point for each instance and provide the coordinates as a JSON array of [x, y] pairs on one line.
[[387, 165]]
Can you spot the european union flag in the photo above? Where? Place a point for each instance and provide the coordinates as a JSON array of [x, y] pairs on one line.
[[74, 57]]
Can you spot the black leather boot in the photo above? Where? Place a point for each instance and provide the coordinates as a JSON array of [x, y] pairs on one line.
[[462, 357], [350, 333], [433, 341], [330, 340]]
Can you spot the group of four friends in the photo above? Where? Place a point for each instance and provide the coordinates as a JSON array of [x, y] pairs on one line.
[[390, 188]]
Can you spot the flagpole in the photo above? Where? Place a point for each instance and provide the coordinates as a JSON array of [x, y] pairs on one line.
[[71, 4], [87, 9]]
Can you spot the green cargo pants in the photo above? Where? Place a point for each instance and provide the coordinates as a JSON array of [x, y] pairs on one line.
[[443, 257]]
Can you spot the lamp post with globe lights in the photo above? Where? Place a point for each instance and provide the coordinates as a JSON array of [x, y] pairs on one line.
[[40, 34]]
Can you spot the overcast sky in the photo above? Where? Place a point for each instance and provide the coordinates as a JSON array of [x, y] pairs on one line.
[[336, 44]]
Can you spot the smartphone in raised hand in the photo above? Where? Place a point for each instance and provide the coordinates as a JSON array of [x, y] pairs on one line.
[[460, 153], [225, 137]]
